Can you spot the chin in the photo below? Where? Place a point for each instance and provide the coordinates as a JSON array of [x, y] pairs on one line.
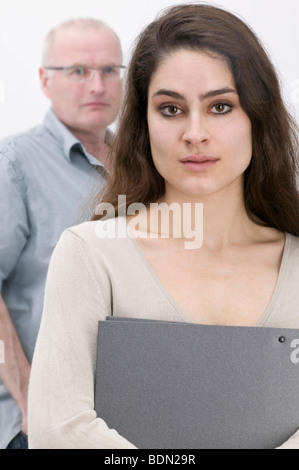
[[199, 192], [101, 121]]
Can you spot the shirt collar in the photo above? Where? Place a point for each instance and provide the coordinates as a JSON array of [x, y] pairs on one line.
[[66, 139]]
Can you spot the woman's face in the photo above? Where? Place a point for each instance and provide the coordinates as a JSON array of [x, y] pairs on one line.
[[200, 136]]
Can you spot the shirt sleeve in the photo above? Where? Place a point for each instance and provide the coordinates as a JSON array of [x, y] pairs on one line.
[[61, 392], [14, 227]]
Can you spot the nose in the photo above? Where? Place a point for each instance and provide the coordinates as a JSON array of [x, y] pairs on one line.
[[196, 130], [96, 82]]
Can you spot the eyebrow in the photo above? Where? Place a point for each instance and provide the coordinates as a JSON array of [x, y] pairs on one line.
[[204, 96]]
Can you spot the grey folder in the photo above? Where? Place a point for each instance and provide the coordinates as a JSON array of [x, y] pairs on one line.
[[165, 385]]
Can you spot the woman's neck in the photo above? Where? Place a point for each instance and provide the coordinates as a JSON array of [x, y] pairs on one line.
[[224, 217]]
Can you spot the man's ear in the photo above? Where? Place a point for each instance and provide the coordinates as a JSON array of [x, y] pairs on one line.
[[44, 81]]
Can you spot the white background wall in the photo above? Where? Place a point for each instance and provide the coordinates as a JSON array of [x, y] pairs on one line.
[[24, 24]]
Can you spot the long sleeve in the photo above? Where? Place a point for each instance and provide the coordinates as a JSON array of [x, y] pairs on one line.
[[87, 276], [61, 391], [14, 228]]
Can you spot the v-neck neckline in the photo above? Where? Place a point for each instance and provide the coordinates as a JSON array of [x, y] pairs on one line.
[[271, 304]]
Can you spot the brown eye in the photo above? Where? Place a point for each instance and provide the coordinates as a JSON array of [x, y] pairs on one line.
[[221, 108], [170, 110]]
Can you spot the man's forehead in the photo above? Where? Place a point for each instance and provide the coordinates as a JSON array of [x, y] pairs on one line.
[[77, 43], [73, 34]]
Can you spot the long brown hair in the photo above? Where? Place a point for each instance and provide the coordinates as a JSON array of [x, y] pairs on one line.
[[270, 182]]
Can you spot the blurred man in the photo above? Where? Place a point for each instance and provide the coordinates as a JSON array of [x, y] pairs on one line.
[[47, 175]]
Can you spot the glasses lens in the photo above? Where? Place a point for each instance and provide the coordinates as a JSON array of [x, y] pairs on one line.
[[108, 73], [79, 74], [112, 73]]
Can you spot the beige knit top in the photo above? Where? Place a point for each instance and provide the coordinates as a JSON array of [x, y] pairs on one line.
[[91, 275]]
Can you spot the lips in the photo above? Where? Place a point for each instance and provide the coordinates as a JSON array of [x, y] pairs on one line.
[[198, 158], [96, 104], [198, 162]]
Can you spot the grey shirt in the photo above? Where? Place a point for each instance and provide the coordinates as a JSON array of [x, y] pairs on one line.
[[46, 182]]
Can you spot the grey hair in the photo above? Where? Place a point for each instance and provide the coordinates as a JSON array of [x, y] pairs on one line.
[[78, 23]]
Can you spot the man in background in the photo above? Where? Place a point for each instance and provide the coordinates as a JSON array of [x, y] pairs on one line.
[[47, 175]]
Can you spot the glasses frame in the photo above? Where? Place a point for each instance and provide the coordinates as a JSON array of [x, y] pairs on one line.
[[92, 69]]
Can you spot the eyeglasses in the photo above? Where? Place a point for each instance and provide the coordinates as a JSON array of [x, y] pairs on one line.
[[80, 73]]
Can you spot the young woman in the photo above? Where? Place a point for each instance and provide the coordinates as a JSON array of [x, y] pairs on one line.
[[203, 126]]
